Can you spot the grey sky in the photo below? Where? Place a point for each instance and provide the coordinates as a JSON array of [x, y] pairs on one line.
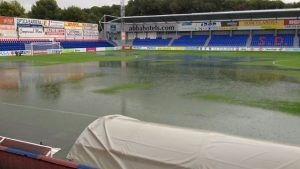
[[87, 3]]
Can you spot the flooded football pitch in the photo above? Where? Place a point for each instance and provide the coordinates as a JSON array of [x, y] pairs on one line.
[[53, 104]]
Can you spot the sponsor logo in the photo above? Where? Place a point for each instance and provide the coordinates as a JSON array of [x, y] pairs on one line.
[[7, 20], [90, 49], [73, 24], [74, 32], [54, 24], [53, 31], [148, 28], [90, 26], [22, 22]]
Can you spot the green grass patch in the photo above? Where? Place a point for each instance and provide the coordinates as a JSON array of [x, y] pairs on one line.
[[44, 60], [122, 87], [292, 107]]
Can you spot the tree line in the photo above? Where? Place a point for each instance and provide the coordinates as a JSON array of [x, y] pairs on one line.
[[48, 9]]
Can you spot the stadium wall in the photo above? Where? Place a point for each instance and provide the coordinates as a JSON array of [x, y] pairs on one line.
[[12, 28]]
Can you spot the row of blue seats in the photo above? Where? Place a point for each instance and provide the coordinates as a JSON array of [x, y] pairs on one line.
[[190, 41], [281, 40], [151, 42], [20, 45]]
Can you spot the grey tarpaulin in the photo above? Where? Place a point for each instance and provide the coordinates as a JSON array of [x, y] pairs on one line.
[[118, 142]]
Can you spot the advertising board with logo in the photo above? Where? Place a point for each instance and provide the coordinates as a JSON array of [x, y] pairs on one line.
[[54, 24], [292, 23], [73, 25], [74, 33], [90, 33], [8, 34], [261, 24], [229, 25], [208, 25], [31, 32], [90, 26], [187, 26], [4, 20], [152, 27], [54, 32], [25, 22], [7, 27]]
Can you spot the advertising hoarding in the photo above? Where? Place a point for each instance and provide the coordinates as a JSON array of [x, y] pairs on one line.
[[8, 34], [292, 23], [74, 33], [90, 26], [73, 25], [153, 27], [54, 24], [54, 32], [25, 22], [31, 32], [261, 24], [90, 33], [4, 20]]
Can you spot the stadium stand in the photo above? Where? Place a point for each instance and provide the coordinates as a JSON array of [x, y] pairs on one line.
[[14, 44], [151, 42], [227, 40], [10, 45], [186, 40], [85, 44], [281, 40]]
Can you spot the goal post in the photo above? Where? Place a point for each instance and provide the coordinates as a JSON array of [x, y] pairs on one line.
[[44, 47]]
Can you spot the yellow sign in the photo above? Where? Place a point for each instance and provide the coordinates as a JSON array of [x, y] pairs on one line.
[[263, 24], [73, 24]]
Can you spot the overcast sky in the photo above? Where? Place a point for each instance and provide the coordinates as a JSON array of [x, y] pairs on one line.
[[87, 3]]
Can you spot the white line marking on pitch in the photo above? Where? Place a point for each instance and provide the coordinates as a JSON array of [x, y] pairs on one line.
[[46, 109]]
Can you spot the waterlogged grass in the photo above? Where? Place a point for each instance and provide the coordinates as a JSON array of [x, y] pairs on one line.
[[292, 107], [123, 87], [44, 60], [277, 59]]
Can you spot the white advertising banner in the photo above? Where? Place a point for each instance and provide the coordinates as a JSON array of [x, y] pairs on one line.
[[198, 26], [74, 33], [31, 32], [8, 34], [90, 26], [7, 27], [90, 33], [54, 32], [54, 24]]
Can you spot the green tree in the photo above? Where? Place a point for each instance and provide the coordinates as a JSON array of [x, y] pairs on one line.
[[45, 9], [12, 8], [74, 14]]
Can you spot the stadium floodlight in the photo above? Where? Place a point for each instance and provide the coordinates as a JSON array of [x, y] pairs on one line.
[[44, 47]]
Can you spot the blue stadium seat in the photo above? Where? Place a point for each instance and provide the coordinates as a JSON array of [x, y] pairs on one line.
[[85, 44], [227, 40], [186, 40], [151, 42], [20, 44], [265, 40]]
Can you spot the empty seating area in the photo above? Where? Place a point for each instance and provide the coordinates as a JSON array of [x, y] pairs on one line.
[[187, 40], [227, 40], [265, 40], [9, 45], [12, 45], [151, 42], [85, 44]]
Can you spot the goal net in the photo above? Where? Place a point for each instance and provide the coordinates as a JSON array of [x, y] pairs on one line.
[[44, 47]]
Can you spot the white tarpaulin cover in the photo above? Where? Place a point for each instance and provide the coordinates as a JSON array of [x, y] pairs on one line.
[[118, 142]]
